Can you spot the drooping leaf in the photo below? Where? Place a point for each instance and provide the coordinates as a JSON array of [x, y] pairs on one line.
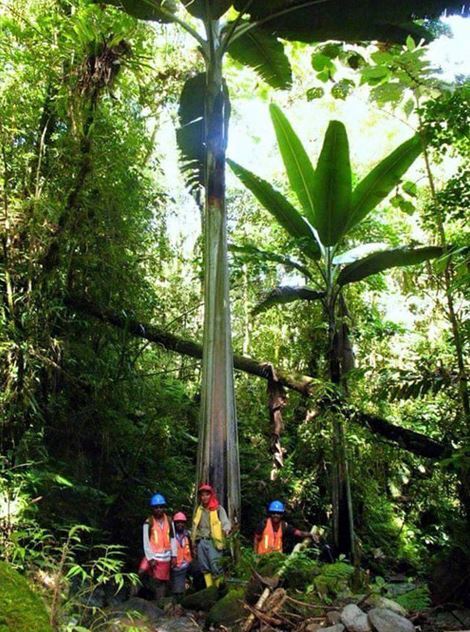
[[265, 54], [358, 252], [287, 294], [332, 185], [252, 252], [380, 261], [153, 10], [382, 179], [299, 169], [190, 134], [198, 7], [274, 202]]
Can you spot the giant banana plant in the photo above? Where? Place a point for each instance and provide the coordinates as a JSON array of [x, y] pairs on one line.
[[328, 210], [251, 32]]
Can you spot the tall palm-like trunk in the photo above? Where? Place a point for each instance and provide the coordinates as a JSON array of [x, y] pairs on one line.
[[218, 438], [343, 523]]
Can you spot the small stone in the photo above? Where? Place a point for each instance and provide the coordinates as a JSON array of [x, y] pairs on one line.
[[354, 619], [339, 627], [383, 620], [333, 617]]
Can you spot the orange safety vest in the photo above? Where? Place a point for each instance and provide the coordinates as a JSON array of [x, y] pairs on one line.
[[271, 541], [160, 535], [183, 551]]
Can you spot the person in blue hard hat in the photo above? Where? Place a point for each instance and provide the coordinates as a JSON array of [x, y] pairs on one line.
[[273, 534], [156, 537]]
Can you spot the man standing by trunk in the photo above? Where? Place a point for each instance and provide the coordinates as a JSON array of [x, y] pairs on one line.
[[157, 546], [210, 526]]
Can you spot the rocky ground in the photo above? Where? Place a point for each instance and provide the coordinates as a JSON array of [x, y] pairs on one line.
[[210, 609]]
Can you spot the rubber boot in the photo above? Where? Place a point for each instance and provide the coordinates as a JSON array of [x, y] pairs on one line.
[[208, 579], [218, 581]]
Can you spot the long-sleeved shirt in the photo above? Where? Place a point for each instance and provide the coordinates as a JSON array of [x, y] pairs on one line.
[[149, 553], [204, 527]]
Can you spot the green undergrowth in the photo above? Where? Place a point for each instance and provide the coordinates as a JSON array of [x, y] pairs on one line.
[[21, 609], [415, 600]]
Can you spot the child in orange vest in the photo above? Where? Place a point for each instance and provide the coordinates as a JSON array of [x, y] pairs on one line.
[[157, 546], [272, 534], [181, 554]]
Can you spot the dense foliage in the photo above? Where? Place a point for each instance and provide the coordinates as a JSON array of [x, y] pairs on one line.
[[100, 245]]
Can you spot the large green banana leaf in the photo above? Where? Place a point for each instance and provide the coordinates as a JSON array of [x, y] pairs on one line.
[[274, 202], [287, 294], [383, 179], [380, 261], [332, 188], [199, 8], [347, 20], [299, 169], [264, 53]]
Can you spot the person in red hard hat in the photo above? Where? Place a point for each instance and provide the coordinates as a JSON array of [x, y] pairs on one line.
[[210, 528], [181, 554]]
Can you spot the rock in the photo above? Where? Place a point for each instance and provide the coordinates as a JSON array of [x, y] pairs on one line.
[[377, 601], [354, 619], [456, 619], [134, 613], [178, 624], [229, 611], [339, 627], [333, 617], [383, 620], [202, 599], [21, 609], [314, 627]]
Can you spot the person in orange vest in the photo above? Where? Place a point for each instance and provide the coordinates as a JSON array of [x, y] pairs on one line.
[[181, 554], [157, 546], [273, 533], [210, 528]]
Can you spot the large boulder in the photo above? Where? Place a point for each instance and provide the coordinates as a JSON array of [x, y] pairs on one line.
[[354, 619], [135, 613], [229, 611], [383, 620], [202, 599], [21, 609], [177, 624]]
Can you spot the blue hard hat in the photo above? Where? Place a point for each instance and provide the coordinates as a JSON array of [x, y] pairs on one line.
[[157, 499], [275, 506]]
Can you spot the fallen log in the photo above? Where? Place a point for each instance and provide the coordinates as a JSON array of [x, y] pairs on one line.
[[414, 442], [303, 384]]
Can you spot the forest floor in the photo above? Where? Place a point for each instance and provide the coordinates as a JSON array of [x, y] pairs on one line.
[[281, 612]]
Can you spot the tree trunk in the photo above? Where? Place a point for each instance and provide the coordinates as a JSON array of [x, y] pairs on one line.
[[218, 461], [343, 524]]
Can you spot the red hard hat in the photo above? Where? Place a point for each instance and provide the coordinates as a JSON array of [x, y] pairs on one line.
[[179, 517], [205, 487]]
